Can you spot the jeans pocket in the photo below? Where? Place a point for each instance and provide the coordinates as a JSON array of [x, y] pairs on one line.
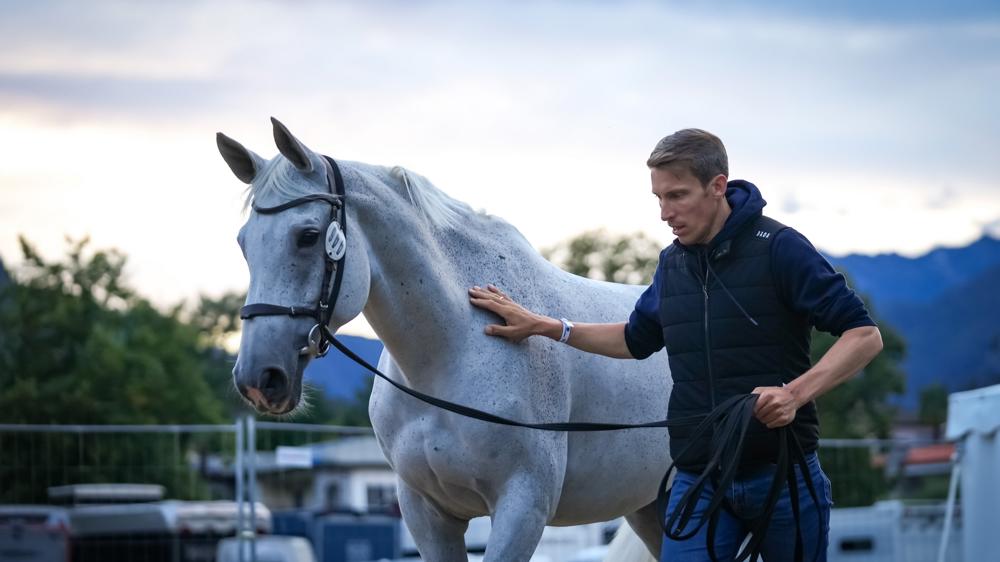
[[828, 488], [817, 470]]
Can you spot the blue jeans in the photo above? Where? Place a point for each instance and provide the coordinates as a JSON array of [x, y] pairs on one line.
[[746, 495]]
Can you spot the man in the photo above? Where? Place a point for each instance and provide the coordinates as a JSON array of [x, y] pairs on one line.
[[733, 300]]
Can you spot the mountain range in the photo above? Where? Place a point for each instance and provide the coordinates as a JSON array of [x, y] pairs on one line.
[[944, 304], [338, 376]]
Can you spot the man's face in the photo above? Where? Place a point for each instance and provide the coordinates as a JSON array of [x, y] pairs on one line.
[[691, 210]]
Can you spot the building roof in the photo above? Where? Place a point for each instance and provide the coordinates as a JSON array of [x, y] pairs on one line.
[[349, 452], [106, 493], [344, 453], [930, 454]]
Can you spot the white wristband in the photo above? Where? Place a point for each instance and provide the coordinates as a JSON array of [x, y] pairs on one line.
[[567, 328]]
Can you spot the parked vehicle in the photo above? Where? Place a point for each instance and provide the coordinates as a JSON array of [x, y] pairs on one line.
[[119, 523], [34, 533]]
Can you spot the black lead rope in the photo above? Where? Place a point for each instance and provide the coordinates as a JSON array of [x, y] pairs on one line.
[[485, 416], [728, 422]]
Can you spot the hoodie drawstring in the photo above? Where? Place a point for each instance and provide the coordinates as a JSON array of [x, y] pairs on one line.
[[708, 264]]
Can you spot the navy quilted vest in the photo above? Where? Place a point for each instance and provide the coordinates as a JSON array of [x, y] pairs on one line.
[[716, 351]]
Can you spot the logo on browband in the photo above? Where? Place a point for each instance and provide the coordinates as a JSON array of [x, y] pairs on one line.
[[336, 242]]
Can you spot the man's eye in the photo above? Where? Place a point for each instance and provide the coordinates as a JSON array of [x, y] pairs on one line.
[[308, 238]]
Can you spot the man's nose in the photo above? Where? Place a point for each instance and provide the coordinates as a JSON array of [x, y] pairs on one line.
[[666, 213]]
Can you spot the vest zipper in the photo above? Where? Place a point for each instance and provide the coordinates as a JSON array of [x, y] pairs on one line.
[[708, 333]]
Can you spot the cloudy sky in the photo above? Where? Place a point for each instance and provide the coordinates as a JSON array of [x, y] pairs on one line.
[[870, 129]]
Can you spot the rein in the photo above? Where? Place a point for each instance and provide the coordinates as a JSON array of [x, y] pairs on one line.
[[728, 422]]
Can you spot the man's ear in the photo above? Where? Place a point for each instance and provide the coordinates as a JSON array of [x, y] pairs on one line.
[[718, 185]]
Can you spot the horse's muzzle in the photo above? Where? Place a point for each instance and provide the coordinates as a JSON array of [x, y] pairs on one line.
[[269, 391]]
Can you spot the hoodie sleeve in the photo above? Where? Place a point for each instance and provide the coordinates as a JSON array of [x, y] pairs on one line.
[[808, 285], [643, 333]]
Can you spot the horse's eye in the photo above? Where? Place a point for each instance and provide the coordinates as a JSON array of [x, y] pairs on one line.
[[308, 238]]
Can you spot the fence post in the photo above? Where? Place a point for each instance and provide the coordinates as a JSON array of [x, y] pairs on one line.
[[240, 497], [252, 472]]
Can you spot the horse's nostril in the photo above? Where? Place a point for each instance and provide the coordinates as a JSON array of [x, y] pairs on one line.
[[273, 382]]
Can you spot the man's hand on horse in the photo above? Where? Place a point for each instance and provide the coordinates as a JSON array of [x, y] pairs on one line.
[[776, 406], [520, 322]]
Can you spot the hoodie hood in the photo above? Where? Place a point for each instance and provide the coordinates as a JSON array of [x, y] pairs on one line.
[[746, 204]]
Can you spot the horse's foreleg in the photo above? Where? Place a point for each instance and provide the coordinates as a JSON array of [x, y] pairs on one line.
[[518, 521], [439, 537]]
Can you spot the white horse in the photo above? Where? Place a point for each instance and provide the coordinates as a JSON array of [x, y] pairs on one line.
[[412, 253]]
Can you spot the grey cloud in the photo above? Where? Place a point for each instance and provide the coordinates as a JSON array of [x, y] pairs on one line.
[[113, 96], [871, 94]]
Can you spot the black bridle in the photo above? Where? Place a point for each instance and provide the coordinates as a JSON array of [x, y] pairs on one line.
[[318, 342], [727, 423]]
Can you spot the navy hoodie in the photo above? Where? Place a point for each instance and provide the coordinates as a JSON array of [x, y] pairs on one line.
[[806, 282]]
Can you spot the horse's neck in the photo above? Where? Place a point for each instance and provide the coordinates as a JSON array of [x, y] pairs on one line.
[[418, 302]]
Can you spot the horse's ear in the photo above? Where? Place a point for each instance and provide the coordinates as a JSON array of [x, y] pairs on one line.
[[244, 163], [291, 148]]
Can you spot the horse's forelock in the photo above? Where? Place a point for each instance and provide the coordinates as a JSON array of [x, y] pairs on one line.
[[280, 178]]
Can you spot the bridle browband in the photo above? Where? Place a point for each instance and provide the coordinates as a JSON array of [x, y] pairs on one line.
[[727, 423], [318, 344]]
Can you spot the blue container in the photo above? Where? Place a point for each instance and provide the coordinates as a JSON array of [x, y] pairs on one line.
[[297, 523], [346, 538]]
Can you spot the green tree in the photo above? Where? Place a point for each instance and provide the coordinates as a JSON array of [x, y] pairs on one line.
[[217, 318], [859, 408], [934, 407], [630, 258], [79, 346]]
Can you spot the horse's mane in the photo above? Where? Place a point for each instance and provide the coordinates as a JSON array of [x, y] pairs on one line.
[[279, 177], [441, 209]]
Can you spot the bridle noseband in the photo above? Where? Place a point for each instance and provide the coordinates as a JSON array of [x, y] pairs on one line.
[[334, 256]]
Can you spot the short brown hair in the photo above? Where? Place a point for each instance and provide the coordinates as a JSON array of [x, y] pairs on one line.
[[701, 152]]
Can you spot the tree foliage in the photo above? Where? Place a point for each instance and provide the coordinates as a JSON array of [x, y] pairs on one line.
[[80, 346], [934, 407], [860, 407], [599, 255]]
